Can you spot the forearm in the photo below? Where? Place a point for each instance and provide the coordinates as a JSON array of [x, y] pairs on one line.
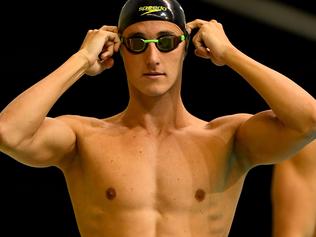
[[25, 114], [293, 106]]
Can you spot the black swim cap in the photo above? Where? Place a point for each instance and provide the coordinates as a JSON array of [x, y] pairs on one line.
[[143, 10]]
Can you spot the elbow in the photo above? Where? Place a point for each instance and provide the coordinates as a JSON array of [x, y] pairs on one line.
[[309, 127], [2, 135], [7, 137]]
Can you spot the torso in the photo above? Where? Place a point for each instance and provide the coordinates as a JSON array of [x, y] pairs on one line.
[[126, 182]]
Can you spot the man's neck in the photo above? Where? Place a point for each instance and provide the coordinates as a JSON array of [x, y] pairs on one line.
[[157, 114]]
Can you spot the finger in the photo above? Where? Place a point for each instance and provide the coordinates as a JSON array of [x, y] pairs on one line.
[[202, 52], [107, 64], [113, 37], [198, 41], [113, 29], [117, 45], [195, 24], [107, 52], [117, 42], [112, 45], [216, 24]]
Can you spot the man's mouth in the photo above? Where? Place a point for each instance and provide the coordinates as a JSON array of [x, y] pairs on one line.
[[154, 74]]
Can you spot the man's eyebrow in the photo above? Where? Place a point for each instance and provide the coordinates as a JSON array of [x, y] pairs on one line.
[[136, 34], [162, 33], [141, 35]]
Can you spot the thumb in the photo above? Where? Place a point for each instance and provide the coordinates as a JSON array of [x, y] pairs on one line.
[[202, 52]]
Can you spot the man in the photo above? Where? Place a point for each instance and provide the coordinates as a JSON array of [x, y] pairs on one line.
[[154, 169], [294, 195]]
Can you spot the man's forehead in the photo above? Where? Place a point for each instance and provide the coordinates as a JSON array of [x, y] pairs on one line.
[[152, 27]]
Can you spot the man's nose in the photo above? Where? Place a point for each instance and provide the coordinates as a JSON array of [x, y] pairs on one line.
[[152, 54]]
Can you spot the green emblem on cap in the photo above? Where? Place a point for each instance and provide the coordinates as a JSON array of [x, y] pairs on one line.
[[150, 9]]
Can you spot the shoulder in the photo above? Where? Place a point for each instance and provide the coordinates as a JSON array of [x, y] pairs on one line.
[[76, 120], [85, 125], [79, 123], [225, 127], [229, 121]]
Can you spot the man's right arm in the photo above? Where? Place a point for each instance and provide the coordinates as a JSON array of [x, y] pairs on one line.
[[26, 133]]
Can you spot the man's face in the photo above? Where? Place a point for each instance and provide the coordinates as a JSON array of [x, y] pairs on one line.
[[153, 72]]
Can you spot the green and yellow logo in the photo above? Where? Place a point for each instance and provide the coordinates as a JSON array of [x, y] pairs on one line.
[[150, 9]]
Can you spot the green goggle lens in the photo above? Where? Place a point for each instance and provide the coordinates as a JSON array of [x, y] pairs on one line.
[[164, 43]]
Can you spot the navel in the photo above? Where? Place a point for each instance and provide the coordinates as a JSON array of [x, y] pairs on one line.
[[110, 193], [200, 195]]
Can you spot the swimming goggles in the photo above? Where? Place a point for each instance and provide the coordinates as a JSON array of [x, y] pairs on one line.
[[165, 43]]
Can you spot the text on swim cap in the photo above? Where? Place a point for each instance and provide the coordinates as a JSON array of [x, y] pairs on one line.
[[150, 9]]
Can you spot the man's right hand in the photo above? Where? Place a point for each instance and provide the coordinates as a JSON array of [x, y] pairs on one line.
[[98, 47]]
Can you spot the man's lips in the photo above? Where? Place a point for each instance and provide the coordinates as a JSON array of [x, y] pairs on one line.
[[154, 74]]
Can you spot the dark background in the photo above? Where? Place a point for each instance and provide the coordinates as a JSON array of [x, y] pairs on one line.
[[37, 37]]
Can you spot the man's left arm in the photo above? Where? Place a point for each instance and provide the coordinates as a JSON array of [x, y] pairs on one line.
[[277, 134], [272, 135]]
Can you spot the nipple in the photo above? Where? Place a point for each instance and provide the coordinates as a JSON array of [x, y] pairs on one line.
[[110, 193], [200, 195]]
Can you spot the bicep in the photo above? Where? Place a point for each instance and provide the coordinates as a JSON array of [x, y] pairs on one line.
[[263, 139], [54, 141]]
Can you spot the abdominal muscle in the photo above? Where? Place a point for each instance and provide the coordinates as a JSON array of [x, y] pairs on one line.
[[147, 223], [140, 210], [214, 221]]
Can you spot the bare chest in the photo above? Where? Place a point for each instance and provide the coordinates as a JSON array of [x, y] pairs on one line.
[[138, 173]]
